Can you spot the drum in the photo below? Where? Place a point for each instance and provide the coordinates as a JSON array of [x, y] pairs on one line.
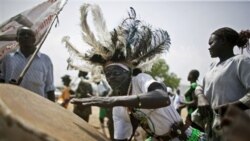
[[26, 116]]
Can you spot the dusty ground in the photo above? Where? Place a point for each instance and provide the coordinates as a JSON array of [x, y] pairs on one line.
[[94, 120]]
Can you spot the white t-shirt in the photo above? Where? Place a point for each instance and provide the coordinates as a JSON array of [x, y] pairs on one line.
[[178, 101], [160, 120], [228, 81]]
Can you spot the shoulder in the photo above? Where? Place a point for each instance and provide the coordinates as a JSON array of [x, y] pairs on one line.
[[240, 57], [241, 60], [143, 81], [45, 58], [198, 90], [213, 64], [8, 57], [143, 76]]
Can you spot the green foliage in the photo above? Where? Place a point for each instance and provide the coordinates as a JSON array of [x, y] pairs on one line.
[[161, 69]]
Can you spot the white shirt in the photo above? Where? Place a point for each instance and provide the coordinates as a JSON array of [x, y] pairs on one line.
[[159, 119], [178, 101], [228, 81]]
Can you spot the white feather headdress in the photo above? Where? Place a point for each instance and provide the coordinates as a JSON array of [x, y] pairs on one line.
[[132, 42]]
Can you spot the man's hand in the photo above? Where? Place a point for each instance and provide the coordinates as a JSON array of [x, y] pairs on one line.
[[94, 101], [13, 81]]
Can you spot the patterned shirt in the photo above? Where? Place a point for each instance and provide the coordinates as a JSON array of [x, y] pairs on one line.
[[39, 77]]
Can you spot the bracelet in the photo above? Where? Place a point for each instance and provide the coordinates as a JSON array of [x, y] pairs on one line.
[[139, 101]]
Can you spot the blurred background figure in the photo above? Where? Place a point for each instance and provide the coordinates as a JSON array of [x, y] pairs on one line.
[[171, 93], [66, 92], [83, 90], [191, 99], [178, 101], [103, 89]]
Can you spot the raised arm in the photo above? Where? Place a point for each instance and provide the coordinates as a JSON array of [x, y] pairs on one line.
[[157, 97]]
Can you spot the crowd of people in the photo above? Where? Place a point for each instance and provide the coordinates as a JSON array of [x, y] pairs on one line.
[[216, 109]]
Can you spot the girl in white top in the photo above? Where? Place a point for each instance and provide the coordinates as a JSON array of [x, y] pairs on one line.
[[228, 80]]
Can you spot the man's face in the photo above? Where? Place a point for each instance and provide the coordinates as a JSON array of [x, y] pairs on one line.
[[117, 76], [26, 37]]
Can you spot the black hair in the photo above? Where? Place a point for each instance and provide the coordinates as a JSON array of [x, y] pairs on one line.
[[195, 74], [233, 37], [66, 77], [136, 71], [83, 74]]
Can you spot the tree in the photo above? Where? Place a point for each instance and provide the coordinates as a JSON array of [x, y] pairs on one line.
[[160, 70]]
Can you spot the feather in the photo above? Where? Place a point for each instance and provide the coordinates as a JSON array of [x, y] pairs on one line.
[[114, 37], [132, 13], [132, 41], [143, 42], [100, 25], [95, 71], [102, 48], [147, 65], [87, 35], [72, 50], [78, 66], [98, 59], [131, 33], [158, 46]]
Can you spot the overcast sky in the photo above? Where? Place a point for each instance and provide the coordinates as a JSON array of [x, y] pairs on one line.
[[189, 24]]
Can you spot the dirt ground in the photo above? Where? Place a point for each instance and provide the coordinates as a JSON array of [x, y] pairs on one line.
[[94, 121]]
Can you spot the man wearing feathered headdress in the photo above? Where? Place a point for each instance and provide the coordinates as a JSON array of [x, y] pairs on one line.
[[138, 97]]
